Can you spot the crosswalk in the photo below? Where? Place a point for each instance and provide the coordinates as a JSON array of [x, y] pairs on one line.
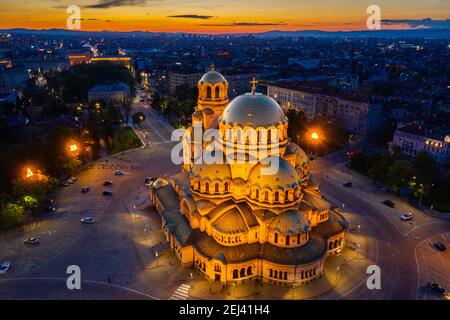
[[182, 293]]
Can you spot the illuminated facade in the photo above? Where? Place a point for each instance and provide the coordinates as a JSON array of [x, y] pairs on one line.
[[75, 59], [232, 220]]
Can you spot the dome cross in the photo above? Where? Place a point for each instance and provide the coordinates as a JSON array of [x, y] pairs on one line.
[[254, 82], [213, 67]]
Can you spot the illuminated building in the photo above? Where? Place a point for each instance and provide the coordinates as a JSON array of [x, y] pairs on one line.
[[232, 220], [81, 58]]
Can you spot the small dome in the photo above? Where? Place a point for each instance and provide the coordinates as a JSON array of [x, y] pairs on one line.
[[290, 222], [211, 172], [256, 110], [284, 178], [300, 155], [213, 77]]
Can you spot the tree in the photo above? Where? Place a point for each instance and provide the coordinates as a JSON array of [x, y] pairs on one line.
[[399, 174], [11, 214]]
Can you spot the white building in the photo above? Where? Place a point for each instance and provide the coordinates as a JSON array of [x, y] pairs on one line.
[[114, 93], [413, 139]]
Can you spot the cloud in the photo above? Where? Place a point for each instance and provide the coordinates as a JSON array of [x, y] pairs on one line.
[[104, 4], [190, 16], [244, 24], [419, 23]]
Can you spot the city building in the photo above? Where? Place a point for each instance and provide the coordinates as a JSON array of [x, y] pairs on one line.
[[80, 58], [414, 138], [182, 77], [233, 219], [118, 93], [360, 117]]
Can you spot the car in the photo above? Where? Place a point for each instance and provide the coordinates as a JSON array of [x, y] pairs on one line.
[[70, 181], [31, 240], [51, 208], [437, 288], [4, 267], [406, 216], [439, 246], [107, 183], [107, 193], [119, 173], [63, 183], [389, 203], [87, 220], [85, 189], [348, 184]]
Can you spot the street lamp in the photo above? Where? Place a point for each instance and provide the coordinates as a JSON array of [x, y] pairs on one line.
[[157, 255]]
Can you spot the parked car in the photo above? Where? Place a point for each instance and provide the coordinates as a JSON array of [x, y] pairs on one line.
[[31, 240], [406, 216], [437, 288], [389, 203], [63, 183], [71, 180], [119, 173], [439, 246], [107, 183], [50, 208], [348, 184], [85, 189], [4, 267], [87, 220], [107, 193]]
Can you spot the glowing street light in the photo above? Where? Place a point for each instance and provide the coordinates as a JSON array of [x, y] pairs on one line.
[[29, 173], [315, 136], [73, 147]]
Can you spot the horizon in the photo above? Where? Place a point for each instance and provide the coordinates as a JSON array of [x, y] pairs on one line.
[[215, 17]]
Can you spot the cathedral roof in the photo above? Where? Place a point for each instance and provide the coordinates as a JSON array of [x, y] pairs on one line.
[[213, 77], [212, 172], [253, 109], [285, 177], [290, 222]]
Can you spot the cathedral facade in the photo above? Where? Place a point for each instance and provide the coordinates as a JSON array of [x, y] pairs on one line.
[[237, 219]]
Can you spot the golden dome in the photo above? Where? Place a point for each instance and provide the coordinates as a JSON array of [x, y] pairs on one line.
[[284, 178], [211, 172], [253, 109], [290, 222]]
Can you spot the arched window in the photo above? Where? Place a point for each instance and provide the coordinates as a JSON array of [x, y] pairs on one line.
[[277, 197], [298, 238], [275, 239], [217, 95], [285, 275], [270, 273], [226, 186], [266, 196], [257, 193], [216, 188], [336, 243], [242, 273], [249, 271], [208, 93], [207, 187], [276, 274], [330, 245], [235, 274], [288, 239]]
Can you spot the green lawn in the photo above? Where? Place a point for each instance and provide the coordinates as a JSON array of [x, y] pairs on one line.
[[124, 139]]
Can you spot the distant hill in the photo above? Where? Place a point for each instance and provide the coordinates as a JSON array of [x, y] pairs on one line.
[[429, 33]]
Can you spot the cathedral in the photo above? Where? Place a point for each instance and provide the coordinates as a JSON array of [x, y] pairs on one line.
[[235, 220]]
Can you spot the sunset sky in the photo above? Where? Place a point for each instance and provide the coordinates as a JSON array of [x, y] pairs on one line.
[[217, 16]]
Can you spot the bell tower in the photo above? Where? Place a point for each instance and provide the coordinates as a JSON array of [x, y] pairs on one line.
[[212, 97]]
